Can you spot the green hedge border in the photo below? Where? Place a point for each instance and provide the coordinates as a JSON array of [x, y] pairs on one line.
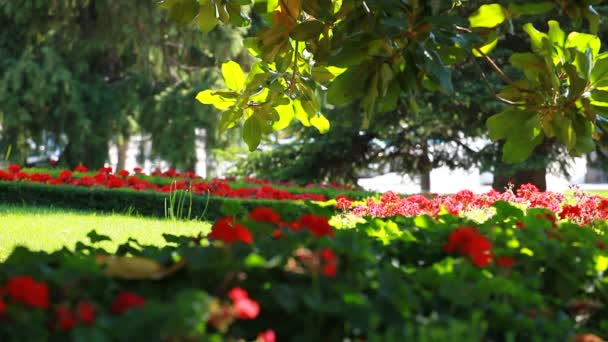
[[145, 203]]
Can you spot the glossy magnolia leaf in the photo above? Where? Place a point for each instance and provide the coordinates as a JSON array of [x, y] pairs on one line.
[[437, 71], [321, 123], [531, 8], [489, 16], [487, 47], [286, 115], [347, 87], [252, 132], [307, 30], [577, 84], [536, 37], [557, 38], [521, 140], [582, 41], [206, 19], [220, 102], [135, 267], [234, 78], [518, 150], [599, 98], [506, 123], [230, 117], [300, 113], [566, 133], [181, 11], [599, 74]]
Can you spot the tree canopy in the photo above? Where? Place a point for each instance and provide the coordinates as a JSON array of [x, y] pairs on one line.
[[372, 52]]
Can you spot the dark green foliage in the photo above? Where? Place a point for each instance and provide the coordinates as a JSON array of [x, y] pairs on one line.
[[136, 202]]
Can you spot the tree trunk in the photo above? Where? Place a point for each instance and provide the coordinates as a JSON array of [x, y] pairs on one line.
[[525, 176], [520, 174], [425, 182], [122, 148]]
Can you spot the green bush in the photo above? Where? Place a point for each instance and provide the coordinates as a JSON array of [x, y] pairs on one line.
[[146, 203]]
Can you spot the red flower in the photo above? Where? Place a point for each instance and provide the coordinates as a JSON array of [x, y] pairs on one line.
[[467, 241], [65, 318], [570, 211], [123, 173], [2, 307], [244, 307], [237, 293], [520, 224], [81, 168], [343, 202], [506, 262], [277, 234], [53, 162], [265, 214], [14, 168], [25, 290], [330, 270], [267, 336], [137, 170], [65, 176], [86, 312], [126, 300], [318, 225], [226, 230], [600, 245]]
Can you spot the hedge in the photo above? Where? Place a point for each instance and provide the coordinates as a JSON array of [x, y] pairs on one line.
[[144, 203]]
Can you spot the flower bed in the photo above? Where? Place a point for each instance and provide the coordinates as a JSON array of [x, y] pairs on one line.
[[170, 179], [262, 275], [581, 207]]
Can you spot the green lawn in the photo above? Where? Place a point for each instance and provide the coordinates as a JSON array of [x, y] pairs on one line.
[[50, 229]]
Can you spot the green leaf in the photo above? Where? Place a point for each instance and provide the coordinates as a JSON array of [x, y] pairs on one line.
[[206, 19], [307, 30], [321, 123], [94, 237], [212, 98], [527, 60], [234, 78], [286, 115], [487, 47], [348, 86], [536, 37], [490, 15], [181, 11], [518, 150], [599, 98], [252, 132], [531, 8], [599, 73], [502, 124], [581, 41], [300, 113]]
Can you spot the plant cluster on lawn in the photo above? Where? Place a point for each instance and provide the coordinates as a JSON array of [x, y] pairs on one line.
[[259, 275], [123, 179]]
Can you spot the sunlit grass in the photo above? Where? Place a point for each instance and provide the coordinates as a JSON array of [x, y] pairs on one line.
[[50, 229]]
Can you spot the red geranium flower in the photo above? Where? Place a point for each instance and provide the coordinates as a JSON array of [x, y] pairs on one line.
[[2, 307], [86, 312], [226, 230], [64, 317], [267, 336], [244, 307], [318, 225], [467, 241], [506, 262], [123, 173], [65, 176], [81, 168], [14, 168], [126, 300], [25, 290], [265, 214]]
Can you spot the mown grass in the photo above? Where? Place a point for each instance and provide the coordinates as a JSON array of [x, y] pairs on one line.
[[49, 229]]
